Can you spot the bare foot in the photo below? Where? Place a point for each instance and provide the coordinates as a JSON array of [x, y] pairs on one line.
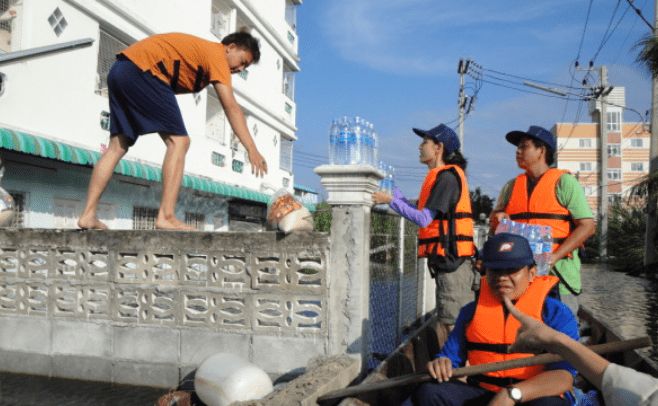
[[91, 222], [172, 224]]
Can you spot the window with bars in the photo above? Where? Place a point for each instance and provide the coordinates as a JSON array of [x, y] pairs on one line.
[[288, 82], [10, 12], [614, 198], [614, 174], [108, 47], [585, 166], [285, 156], [218, 159], [196, 220], [19, 209], [144, 218]]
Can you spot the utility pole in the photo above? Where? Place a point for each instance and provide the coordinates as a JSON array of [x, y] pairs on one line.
[[650, 254], [462, 69], [603, 124]]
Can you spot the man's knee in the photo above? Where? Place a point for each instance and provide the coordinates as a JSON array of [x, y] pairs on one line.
[[178, 142]]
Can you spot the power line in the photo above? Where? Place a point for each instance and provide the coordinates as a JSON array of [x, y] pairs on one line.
[[639, 12]]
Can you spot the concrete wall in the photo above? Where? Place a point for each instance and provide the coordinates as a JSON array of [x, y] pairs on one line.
[[146, 308]]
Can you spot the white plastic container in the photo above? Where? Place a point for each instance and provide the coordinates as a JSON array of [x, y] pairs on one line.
[[226, 378]]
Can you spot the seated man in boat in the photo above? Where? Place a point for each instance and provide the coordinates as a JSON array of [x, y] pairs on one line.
[[620, 385], [483, 332]]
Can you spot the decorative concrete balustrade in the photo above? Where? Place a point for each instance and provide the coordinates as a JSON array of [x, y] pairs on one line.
[[146, 306]]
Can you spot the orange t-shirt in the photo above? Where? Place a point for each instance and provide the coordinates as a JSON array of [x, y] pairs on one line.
[[185, 62]]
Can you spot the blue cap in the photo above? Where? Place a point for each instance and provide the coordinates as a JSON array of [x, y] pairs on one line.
[[443, 134], [505, 250], [535, 132]]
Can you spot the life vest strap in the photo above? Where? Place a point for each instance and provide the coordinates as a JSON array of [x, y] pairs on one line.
[[432, 240], [492, 380], [497, 348], [539, 216]]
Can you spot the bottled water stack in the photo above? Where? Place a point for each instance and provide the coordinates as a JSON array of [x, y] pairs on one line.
[[353, 141], [539, 237]]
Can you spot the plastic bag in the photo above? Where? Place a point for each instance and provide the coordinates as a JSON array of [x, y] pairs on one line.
[[288, 214]]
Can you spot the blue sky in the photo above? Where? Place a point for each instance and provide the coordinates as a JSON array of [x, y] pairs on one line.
[[394, 63]]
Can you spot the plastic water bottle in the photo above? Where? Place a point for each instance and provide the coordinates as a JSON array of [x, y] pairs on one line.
[[343, 136], [547, 250], [391, 181], [535, 240], [334, 134], [367, 138], [503, 226], [375, 146]]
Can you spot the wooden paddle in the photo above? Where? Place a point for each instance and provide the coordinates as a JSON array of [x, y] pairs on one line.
[[618, 346]]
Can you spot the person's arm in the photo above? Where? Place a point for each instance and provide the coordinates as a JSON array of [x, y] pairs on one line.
[[534, 337], [498, 212], [239, 124], [422, 218], [585, 228], [549, 383]]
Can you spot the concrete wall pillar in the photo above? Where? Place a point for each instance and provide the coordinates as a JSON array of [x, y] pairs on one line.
[[349, 188]]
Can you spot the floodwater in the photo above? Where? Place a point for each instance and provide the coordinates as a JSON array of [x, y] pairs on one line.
[[627, 303]]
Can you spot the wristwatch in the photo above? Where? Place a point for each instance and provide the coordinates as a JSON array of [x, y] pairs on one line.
[[515, 394]]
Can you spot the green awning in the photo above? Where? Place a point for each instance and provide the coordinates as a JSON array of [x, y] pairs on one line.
[[35, 145]]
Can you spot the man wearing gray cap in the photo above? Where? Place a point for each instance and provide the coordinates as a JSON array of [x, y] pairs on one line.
[[549, 197]]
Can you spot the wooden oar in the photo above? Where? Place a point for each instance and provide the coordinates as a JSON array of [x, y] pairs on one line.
[[618, 346]]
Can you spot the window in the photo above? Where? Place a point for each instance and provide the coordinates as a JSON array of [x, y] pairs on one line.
[[288, 82], [144, 218], [291, 15], [66, 212], [585, 167], [218, 159], [614, 174], [196, 220], [588, 189], [285, 182], [10, 12], [637, 143], [637, 166], [108, 47], [19, 209], [215, 120], [285, 156], [614, 150], [237, 166], [614, 198], [585, 143], [57, 22], [614, 121]]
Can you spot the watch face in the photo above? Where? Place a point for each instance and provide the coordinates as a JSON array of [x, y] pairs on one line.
[[515, 394]]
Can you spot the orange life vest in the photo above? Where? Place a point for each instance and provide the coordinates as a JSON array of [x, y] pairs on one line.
[[542, 207], [489, 333], [454, 228]]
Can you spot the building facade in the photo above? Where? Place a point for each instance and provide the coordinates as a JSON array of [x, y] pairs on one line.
[[627, 153], [54, 111]]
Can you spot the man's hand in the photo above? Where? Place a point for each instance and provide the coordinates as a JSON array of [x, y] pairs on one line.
[[440, 369], [258, 163], [533, 336]]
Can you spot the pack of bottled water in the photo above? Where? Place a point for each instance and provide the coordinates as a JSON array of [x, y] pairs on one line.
[[540, 239], [353, 141]]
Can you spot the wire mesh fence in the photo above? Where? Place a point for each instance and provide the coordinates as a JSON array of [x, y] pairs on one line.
[[394, 282]]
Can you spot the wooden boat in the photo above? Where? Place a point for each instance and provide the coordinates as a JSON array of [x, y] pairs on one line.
[[413, 355]]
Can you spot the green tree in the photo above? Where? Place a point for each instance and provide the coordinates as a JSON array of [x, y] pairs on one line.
[[481, 203], [322, 217]]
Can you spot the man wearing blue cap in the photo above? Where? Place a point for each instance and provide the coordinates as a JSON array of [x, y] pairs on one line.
[[484, 331], [549, 197], [444, 215]]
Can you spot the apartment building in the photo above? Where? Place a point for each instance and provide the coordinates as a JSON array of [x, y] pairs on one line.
[[627, 152], [54, 111]]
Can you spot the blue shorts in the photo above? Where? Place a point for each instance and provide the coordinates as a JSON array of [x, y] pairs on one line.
[[140, 103]]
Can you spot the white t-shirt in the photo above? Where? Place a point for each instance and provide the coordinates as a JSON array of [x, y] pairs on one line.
[[625, 386]]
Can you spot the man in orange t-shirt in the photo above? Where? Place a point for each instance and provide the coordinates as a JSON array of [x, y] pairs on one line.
[[142, 86]]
